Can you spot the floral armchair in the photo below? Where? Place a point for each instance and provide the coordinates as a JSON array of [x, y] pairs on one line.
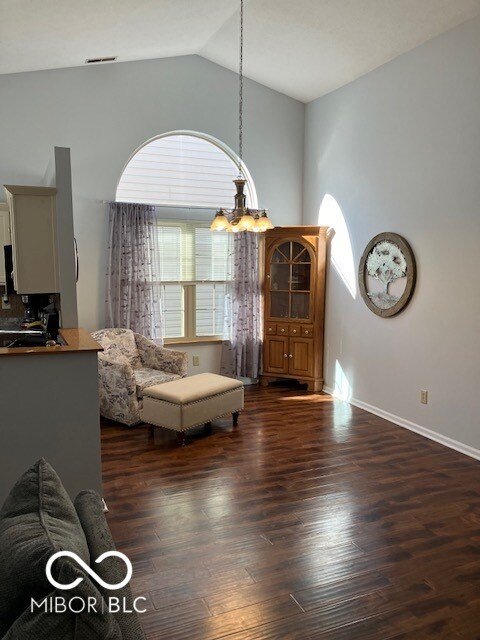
[[129, 364]]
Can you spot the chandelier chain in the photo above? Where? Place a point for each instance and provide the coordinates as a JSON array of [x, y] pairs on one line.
[[241, 218], [240, 105]]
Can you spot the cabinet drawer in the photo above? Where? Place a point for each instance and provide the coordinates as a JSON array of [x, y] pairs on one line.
[[282, 330], [294, 330], [270, 329], [307, 330]]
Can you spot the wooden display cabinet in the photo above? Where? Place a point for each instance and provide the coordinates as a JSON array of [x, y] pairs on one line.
[[294, 298]]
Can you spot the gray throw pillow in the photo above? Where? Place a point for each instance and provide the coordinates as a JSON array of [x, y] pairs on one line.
[[90, 510], [74, 623], [37, 520]]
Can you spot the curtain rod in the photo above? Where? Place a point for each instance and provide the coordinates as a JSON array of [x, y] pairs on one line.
[[162, 206]]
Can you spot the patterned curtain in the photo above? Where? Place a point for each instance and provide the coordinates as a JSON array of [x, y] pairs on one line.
[[130, 297], [242, 344]]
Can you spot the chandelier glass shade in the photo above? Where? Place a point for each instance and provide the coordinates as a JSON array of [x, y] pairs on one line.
[[241, 218]]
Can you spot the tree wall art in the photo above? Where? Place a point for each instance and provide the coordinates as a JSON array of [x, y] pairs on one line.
[[387, 274]]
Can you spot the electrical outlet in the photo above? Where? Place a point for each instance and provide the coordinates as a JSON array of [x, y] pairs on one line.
[[6, 304], [423, 396], [196, 361]]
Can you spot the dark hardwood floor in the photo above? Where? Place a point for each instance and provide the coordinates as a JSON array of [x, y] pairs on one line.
[[311, 520]]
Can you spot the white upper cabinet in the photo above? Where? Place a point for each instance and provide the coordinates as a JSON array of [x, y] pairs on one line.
[[34, 238], [4, 237]]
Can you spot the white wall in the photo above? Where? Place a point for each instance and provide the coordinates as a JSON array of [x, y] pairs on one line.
[[103, 113], [399, 150], [53, 419], [209, 355], [65, 245]]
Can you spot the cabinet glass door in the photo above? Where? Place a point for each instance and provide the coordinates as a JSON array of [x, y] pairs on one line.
[[290, 272]]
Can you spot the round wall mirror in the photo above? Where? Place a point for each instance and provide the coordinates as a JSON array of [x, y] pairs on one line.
[[387, 273]]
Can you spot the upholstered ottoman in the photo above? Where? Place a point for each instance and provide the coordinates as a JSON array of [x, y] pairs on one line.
[[182, 404]]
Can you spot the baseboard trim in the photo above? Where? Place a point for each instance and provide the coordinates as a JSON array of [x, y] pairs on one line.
[[412, 426]]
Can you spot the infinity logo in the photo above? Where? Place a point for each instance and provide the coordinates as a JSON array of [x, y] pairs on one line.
[[89, 570]]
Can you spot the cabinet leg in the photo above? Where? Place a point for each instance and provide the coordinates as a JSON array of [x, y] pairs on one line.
[[314, 386]]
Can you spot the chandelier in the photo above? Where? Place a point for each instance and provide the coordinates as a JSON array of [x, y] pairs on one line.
[[241, 218]]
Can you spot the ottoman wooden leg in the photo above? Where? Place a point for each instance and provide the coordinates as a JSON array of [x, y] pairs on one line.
[[235, 415], [181, 438], [151, 430], [208, 427]]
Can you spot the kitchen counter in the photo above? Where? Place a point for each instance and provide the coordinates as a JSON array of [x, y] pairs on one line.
[[77, 340], [50, 409]]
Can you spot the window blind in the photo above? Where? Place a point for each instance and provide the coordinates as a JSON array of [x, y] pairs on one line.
[[190, 252], [180, 170], [191, 267]]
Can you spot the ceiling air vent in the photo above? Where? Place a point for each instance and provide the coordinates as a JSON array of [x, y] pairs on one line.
[[96, 60]]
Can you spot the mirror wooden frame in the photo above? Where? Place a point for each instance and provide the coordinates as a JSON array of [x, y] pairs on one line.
[[411, 275]]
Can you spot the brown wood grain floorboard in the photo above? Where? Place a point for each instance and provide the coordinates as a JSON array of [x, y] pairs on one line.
[[314, 520]]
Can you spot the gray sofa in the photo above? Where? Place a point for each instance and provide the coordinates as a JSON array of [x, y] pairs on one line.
[[37, 520]]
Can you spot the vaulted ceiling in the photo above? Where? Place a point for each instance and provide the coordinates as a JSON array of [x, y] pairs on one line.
[[303, 48]]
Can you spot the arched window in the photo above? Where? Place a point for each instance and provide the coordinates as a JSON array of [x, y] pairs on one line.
[[184, 170]]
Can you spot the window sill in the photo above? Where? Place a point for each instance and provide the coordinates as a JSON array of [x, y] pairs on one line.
[[179, 341]]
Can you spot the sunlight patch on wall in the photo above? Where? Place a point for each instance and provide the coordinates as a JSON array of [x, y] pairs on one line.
[[341, 254], [342, 388]]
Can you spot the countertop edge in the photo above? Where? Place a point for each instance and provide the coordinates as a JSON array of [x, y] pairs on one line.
[[78, 341]]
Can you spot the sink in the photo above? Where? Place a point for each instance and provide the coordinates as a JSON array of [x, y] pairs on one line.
[[24, 339], [28, 341]]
